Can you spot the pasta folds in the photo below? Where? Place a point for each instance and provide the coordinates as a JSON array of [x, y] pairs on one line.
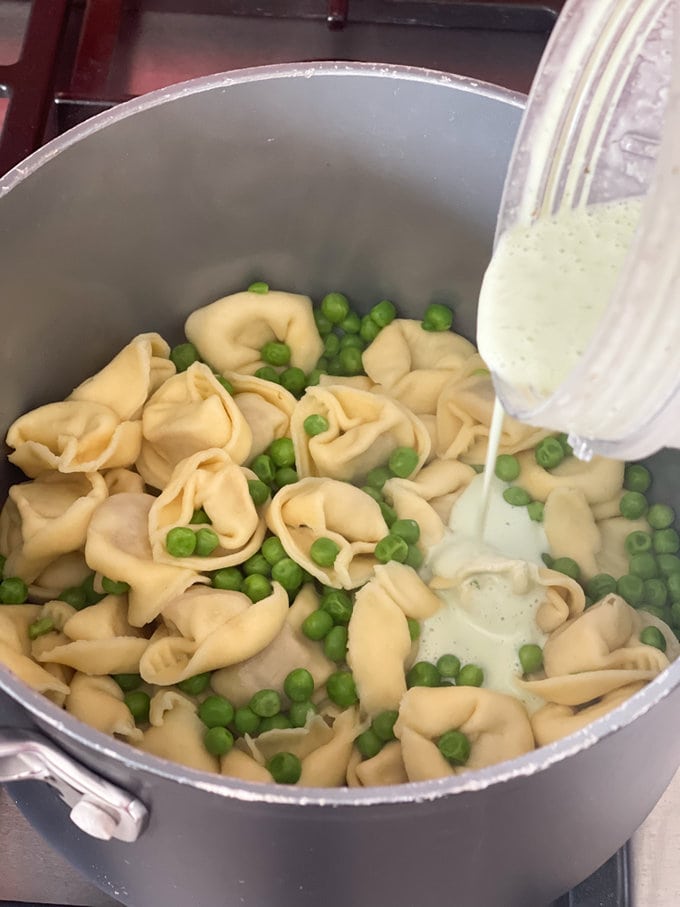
[[552, 722], [363, 430], [190, 413], [267, 408], [46, 518], [65, 572], [496, 725], [237, 764], [385, 768], [326, 766], [571, 529], [413, 365], [98, 701], [314, 508], [176, 732], [212, 481], [231, 332], [73, 436], [118, 546], [125, 384], [599, 479], [218, 628]]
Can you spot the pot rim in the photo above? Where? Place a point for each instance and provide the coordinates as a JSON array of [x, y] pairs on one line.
[[61, 723]]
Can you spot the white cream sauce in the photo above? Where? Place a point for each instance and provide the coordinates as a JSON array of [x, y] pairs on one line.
[[489, 611]]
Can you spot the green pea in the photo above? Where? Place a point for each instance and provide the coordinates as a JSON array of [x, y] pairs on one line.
[[341, 689], [454, 747], [285, 768], [285, 476], [13, 591], [294, 380], [549, 453], [265, 703], [547, 559], [335, 307], [288, 574], [673, 585], [111, 587], [668, 563], [351, 361], [138, 702], [568, 566], [256, 587], [536, 511], [414, 558], [259, 492], [389, 514], [180, 542], [383, 313], [267, 373], [198, 517], [127, 682], [92, 597], [408, 530], [375, 493], [183, 355], [531, 658], [298, 685], [563, 438], [402, 462], [338, 604], [507, 468], [226, 384], [656, 593], [383, 725], [633, 505], [631, 587], [246, 721], [470, 676], [229, 578], [272, 550], [376, 478], [449, 665], [636, 478], [218, 741], [75, 596], [282, 452], [257, 564], [194, 686], [516, 496], [299, 712], [369, 330], [275, 353], [423, 674], [259, 287], [335, 644], [351, 323], [315, 425], [331, 348], [314, 377], [368, 744], [413, 628], [323, 325], [600, 585], [660, 516], [643, 565], [317, 625], [216, 711], [652, 636], [206, 542], [661, 613], [40, 627], [638, 542], [278, 722], [335, 367], [391, 548], [437, 318], [264, 469], [324, 551], [666, 541]]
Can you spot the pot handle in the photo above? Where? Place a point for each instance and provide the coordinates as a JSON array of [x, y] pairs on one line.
[[98, 808]]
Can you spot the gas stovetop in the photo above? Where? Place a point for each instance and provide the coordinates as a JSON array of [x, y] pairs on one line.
[[62, 61]]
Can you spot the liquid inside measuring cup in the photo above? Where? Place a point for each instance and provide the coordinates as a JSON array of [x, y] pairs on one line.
[[546, 289]]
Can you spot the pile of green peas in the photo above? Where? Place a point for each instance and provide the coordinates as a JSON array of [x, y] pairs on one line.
[[328, 624], [255, 575], [448, 671], [346, 334], [274, 469]]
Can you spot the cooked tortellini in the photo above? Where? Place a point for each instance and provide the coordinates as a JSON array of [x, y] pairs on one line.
[[260, 556]]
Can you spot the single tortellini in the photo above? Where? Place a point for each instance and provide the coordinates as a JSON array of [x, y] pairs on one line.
[[327, 765], [497, 727], [214, 629], [464, 412], [118, 547], [314, 508], [599, 479], [98, 701], [73, 436], [231, 332], [385, 768], [190, 413], [363, 430], [47, 518], [413, 365], [126, 383], [553, 721], [176, 732], [290, 649], [212, 481]]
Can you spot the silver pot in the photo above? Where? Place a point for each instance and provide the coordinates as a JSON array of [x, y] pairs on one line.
[[382, 182]]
